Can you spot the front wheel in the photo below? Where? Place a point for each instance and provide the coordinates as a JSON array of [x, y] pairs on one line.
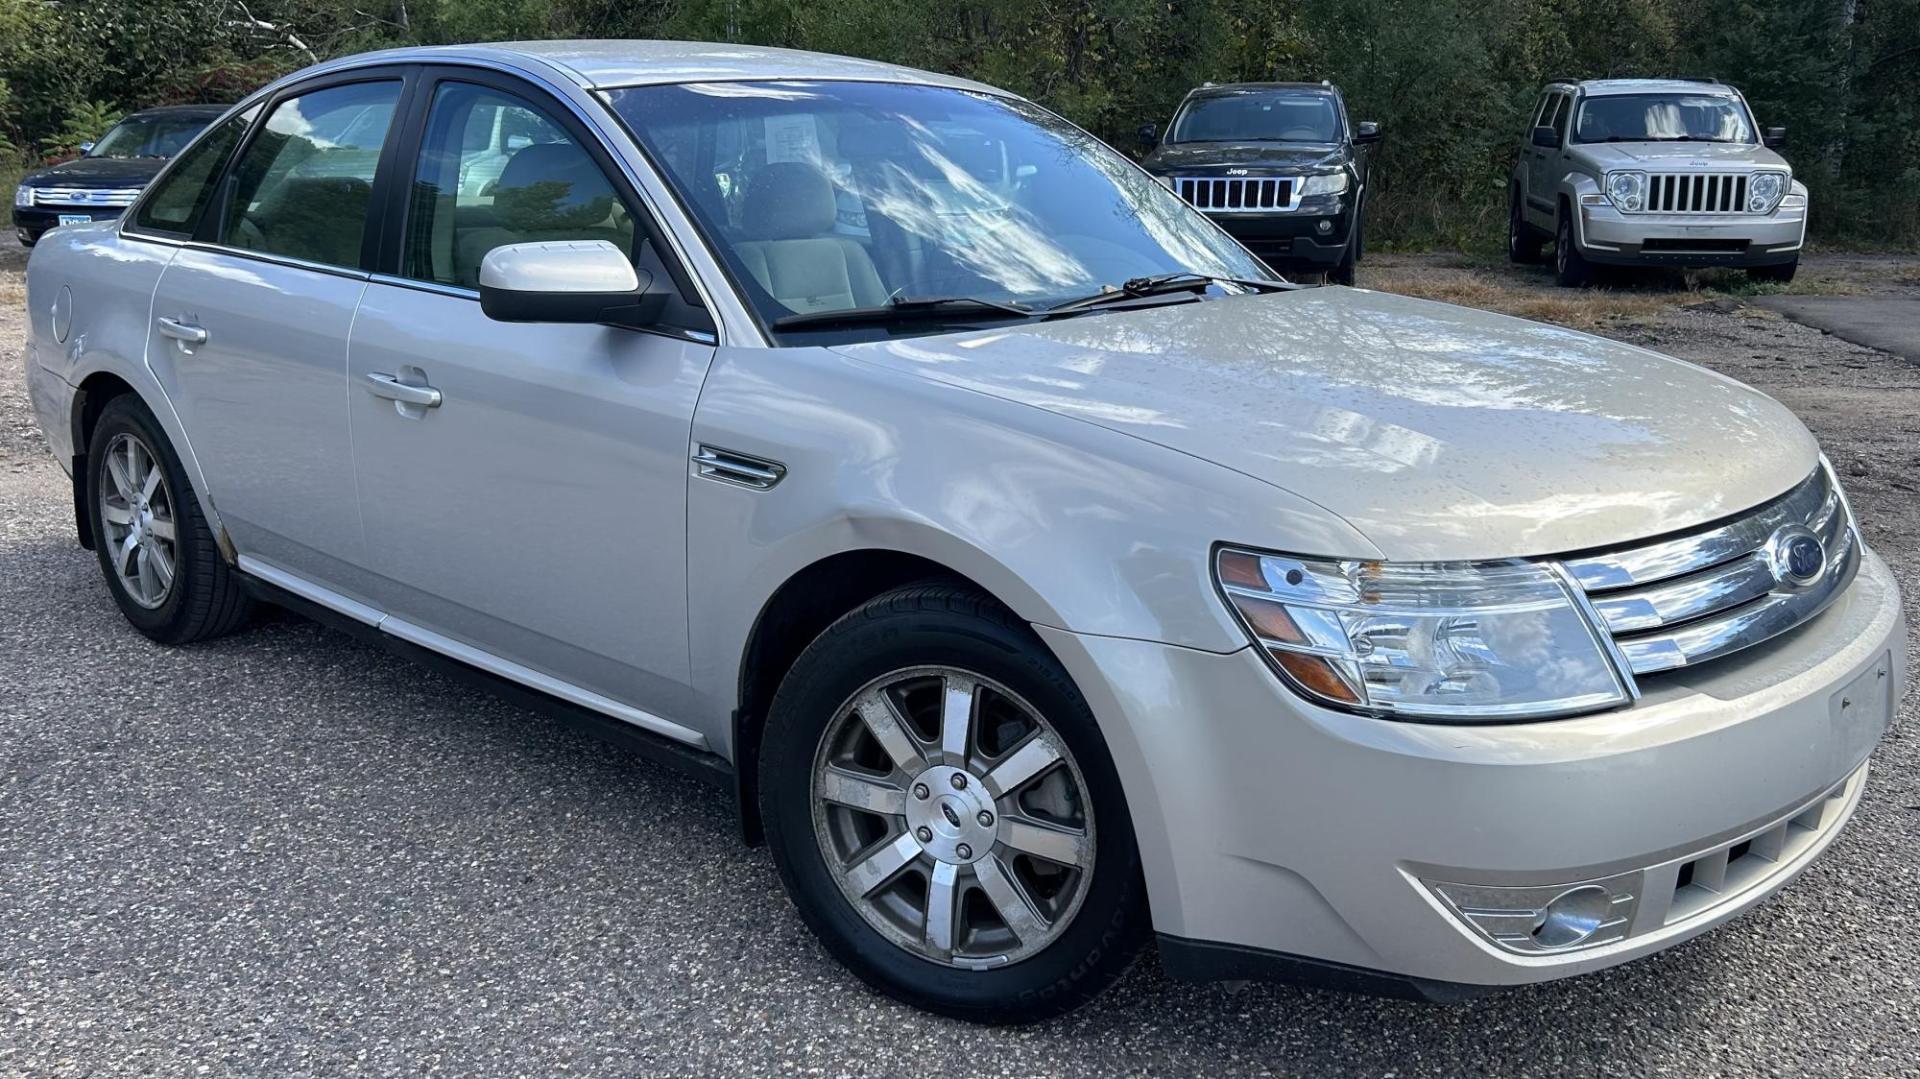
[[1343, 271], [945, 814], [1571, 268], [1778, 274]]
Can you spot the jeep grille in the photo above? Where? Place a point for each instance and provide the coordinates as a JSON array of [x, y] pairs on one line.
[[1697, 193], [1237, 192]]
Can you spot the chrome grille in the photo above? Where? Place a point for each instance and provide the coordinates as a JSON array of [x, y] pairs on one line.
[[113, 197], [1685, 600], [1237, 192], [1697, 193]]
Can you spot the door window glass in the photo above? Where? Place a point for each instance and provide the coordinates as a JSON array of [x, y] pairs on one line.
[[304, 188], [179, 198], [496, 170], [1560, 112]]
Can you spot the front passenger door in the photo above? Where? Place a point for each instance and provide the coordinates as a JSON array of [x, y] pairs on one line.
[[524, 487]]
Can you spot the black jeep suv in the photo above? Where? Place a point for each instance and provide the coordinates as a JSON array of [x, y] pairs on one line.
[[1277, 165]]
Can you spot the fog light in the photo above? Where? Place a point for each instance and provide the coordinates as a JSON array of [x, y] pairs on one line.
[[1324, 227], [1536, 919], [1573, 916]]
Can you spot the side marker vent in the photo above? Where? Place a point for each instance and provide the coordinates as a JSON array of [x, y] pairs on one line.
[[740, 469]]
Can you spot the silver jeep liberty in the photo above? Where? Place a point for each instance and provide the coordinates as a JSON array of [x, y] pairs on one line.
[[1039, 576], [1653, 172]]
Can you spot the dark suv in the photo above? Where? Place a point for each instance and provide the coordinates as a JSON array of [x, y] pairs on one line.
[[1277, 165], [110, 174]]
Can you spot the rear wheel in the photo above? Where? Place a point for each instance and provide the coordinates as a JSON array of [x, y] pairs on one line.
[[1523, 243], [1780, 273], [1571, 267], [155, 548], [944, 812]]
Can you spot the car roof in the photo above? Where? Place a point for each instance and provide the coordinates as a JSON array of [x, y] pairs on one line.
[[1235, 87], [207, 111], [1604, 87], [606, 64]]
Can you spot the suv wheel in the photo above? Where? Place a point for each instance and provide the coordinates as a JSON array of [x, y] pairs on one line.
[[945, 814], [1570, 266], [155, 548], [1778, 274], [1523, 244], [1342, 271]]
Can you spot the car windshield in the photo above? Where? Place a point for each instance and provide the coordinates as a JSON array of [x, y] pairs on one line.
[[833, 196], [1259, 115], [1663, 118], [148, 136]]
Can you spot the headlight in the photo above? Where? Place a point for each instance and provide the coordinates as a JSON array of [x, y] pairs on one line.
[[1452, 641], [1764, 191], [23, 195], [1331, 183], [1627, 190]]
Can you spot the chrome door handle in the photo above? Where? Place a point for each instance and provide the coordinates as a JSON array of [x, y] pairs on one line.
[[393, 389], [184, 332]]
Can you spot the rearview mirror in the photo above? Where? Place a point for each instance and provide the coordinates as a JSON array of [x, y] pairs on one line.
[[1149, 135], [1546, 137], [1774, 137], [1368, 131], [567, 281]]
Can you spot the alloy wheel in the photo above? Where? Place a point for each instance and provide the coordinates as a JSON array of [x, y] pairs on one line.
[[137, 515], [953, 817]]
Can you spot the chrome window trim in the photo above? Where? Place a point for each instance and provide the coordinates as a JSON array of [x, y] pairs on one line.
[[732, 321]]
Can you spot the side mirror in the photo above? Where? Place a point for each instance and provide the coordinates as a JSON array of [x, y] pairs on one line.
[[1149, 135], [584, 281], [87, 147], [1367, 131], [1546, 138], [1773, 137]]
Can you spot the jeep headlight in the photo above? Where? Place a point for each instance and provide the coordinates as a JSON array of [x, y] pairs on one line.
[[1449, 641], [1627, 191], [23, 195], [1764, 191], [1326, 183]]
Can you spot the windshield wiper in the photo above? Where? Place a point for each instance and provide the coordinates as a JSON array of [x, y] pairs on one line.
[[902, 309], [1160, 284]]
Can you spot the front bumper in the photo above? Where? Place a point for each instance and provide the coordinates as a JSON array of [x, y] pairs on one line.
[[1613, 238], [1283, 838], [1312, 236], [32, 222]]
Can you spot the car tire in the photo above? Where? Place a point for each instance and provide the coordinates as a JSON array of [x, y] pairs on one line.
[[1343, 271], [1068, 932], [1778, 274], [155, 547], [1571, 268], [1523, 243]]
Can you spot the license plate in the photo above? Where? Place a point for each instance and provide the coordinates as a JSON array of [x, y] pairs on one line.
[[74, 219]]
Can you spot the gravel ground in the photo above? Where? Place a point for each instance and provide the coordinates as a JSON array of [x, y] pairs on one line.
[[287, 853]]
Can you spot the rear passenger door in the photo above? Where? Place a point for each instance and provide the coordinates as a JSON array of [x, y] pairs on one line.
[[531, 518], [252, 316]]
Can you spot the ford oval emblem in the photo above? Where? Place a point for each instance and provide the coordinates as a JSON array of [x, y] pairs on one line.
[[1797, 556]]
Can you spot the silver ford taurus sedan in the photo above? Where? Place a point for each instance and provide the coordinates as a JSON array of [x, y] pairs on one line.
[[1038, 574]]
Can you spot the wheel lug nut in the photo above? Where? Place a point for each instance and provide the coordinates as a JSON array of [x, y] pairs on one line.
[[959, 781], [963, 851], [920, 791], [924, 834], [986, 819]]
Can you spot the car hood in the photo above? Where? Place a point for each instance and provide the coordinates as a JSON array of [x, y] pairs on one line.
[[1262, 155], [1681, 155], [98, 172], [1438, 432]]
